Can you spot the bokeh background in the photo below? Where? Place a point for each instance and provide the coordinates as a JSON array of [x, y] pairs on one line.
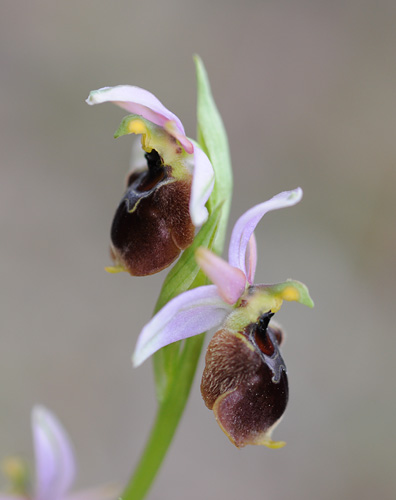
[[307, 91]]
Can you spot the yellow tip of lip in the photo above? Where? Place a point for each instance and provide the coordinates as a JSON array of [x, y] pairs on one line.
[[271, 444], [114, 269]]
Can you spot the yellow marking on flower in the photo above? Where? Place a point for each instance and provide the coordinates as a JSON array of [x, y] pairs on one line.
[[137, 127], [13, 467], [15, 470], [290, 293]]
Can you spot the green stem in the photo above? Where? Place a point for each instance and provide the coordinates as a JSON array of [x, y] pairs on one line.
[[168, 416]]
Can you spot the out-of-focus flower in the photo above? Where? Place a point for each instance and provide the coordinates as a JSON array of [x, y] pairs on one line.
[[54, 466], [245, 380], [169, 184]]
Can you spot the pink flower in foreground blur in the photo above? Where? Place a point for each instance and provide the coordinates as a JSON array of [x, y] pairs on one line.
[[245, 380], [167, 189], [55, 465]]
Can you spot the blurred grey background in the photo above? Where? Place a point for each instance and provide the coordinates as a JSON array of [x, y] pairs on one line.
[[307, 91]]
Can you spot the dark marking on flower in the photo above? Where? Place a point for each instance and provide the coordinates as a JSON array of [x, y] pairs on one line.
[[152, 223], [261, 336], [265, 340]]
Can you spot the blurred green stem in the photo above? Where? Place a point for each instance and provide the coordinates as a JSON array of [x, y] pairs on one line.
[[168, 416]]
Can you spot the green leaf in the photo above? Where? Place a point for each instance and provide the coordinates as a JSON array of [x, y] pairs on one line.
[[212, 137]]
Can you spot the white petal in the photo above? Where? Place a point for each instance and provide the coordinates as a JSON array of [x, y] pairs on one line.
[[190, 313], [247, 223], [55, 465], [202, 185]]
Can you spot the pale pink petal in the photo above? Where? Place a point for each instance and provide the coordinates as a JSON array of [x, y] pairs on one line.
[[202, 185], [55, 466], [188, 314], [11, 497], [251, 259], [137, 101], [230, 281], [103, 492], [247, 223]]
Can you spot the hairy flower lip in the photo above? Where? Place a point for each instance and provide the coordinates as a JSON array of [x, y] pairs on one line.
[[151, 228], [238, 385]]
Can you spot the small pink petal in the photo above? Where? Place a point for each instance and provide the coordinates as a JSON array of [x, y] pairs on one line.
[[251, 259], [138, 101], [247, 223], [190, 313], [229, 280], [202, 186], [11, 497], [55, 465]]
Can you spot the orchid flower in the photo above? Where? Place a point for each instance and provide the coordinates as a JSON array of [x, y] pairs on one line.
[[55, 465], [165, 201], [245, 380]]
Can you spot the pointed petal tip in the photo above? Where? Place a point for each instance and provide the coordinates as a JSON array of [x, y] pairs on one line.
[[39, 414], [137, 358], [93, 96], [296, 195]]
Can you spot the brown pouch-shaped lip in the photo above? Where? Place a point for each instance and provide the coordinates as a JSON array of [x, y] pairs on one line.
[[152, 223], [247, 393]]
